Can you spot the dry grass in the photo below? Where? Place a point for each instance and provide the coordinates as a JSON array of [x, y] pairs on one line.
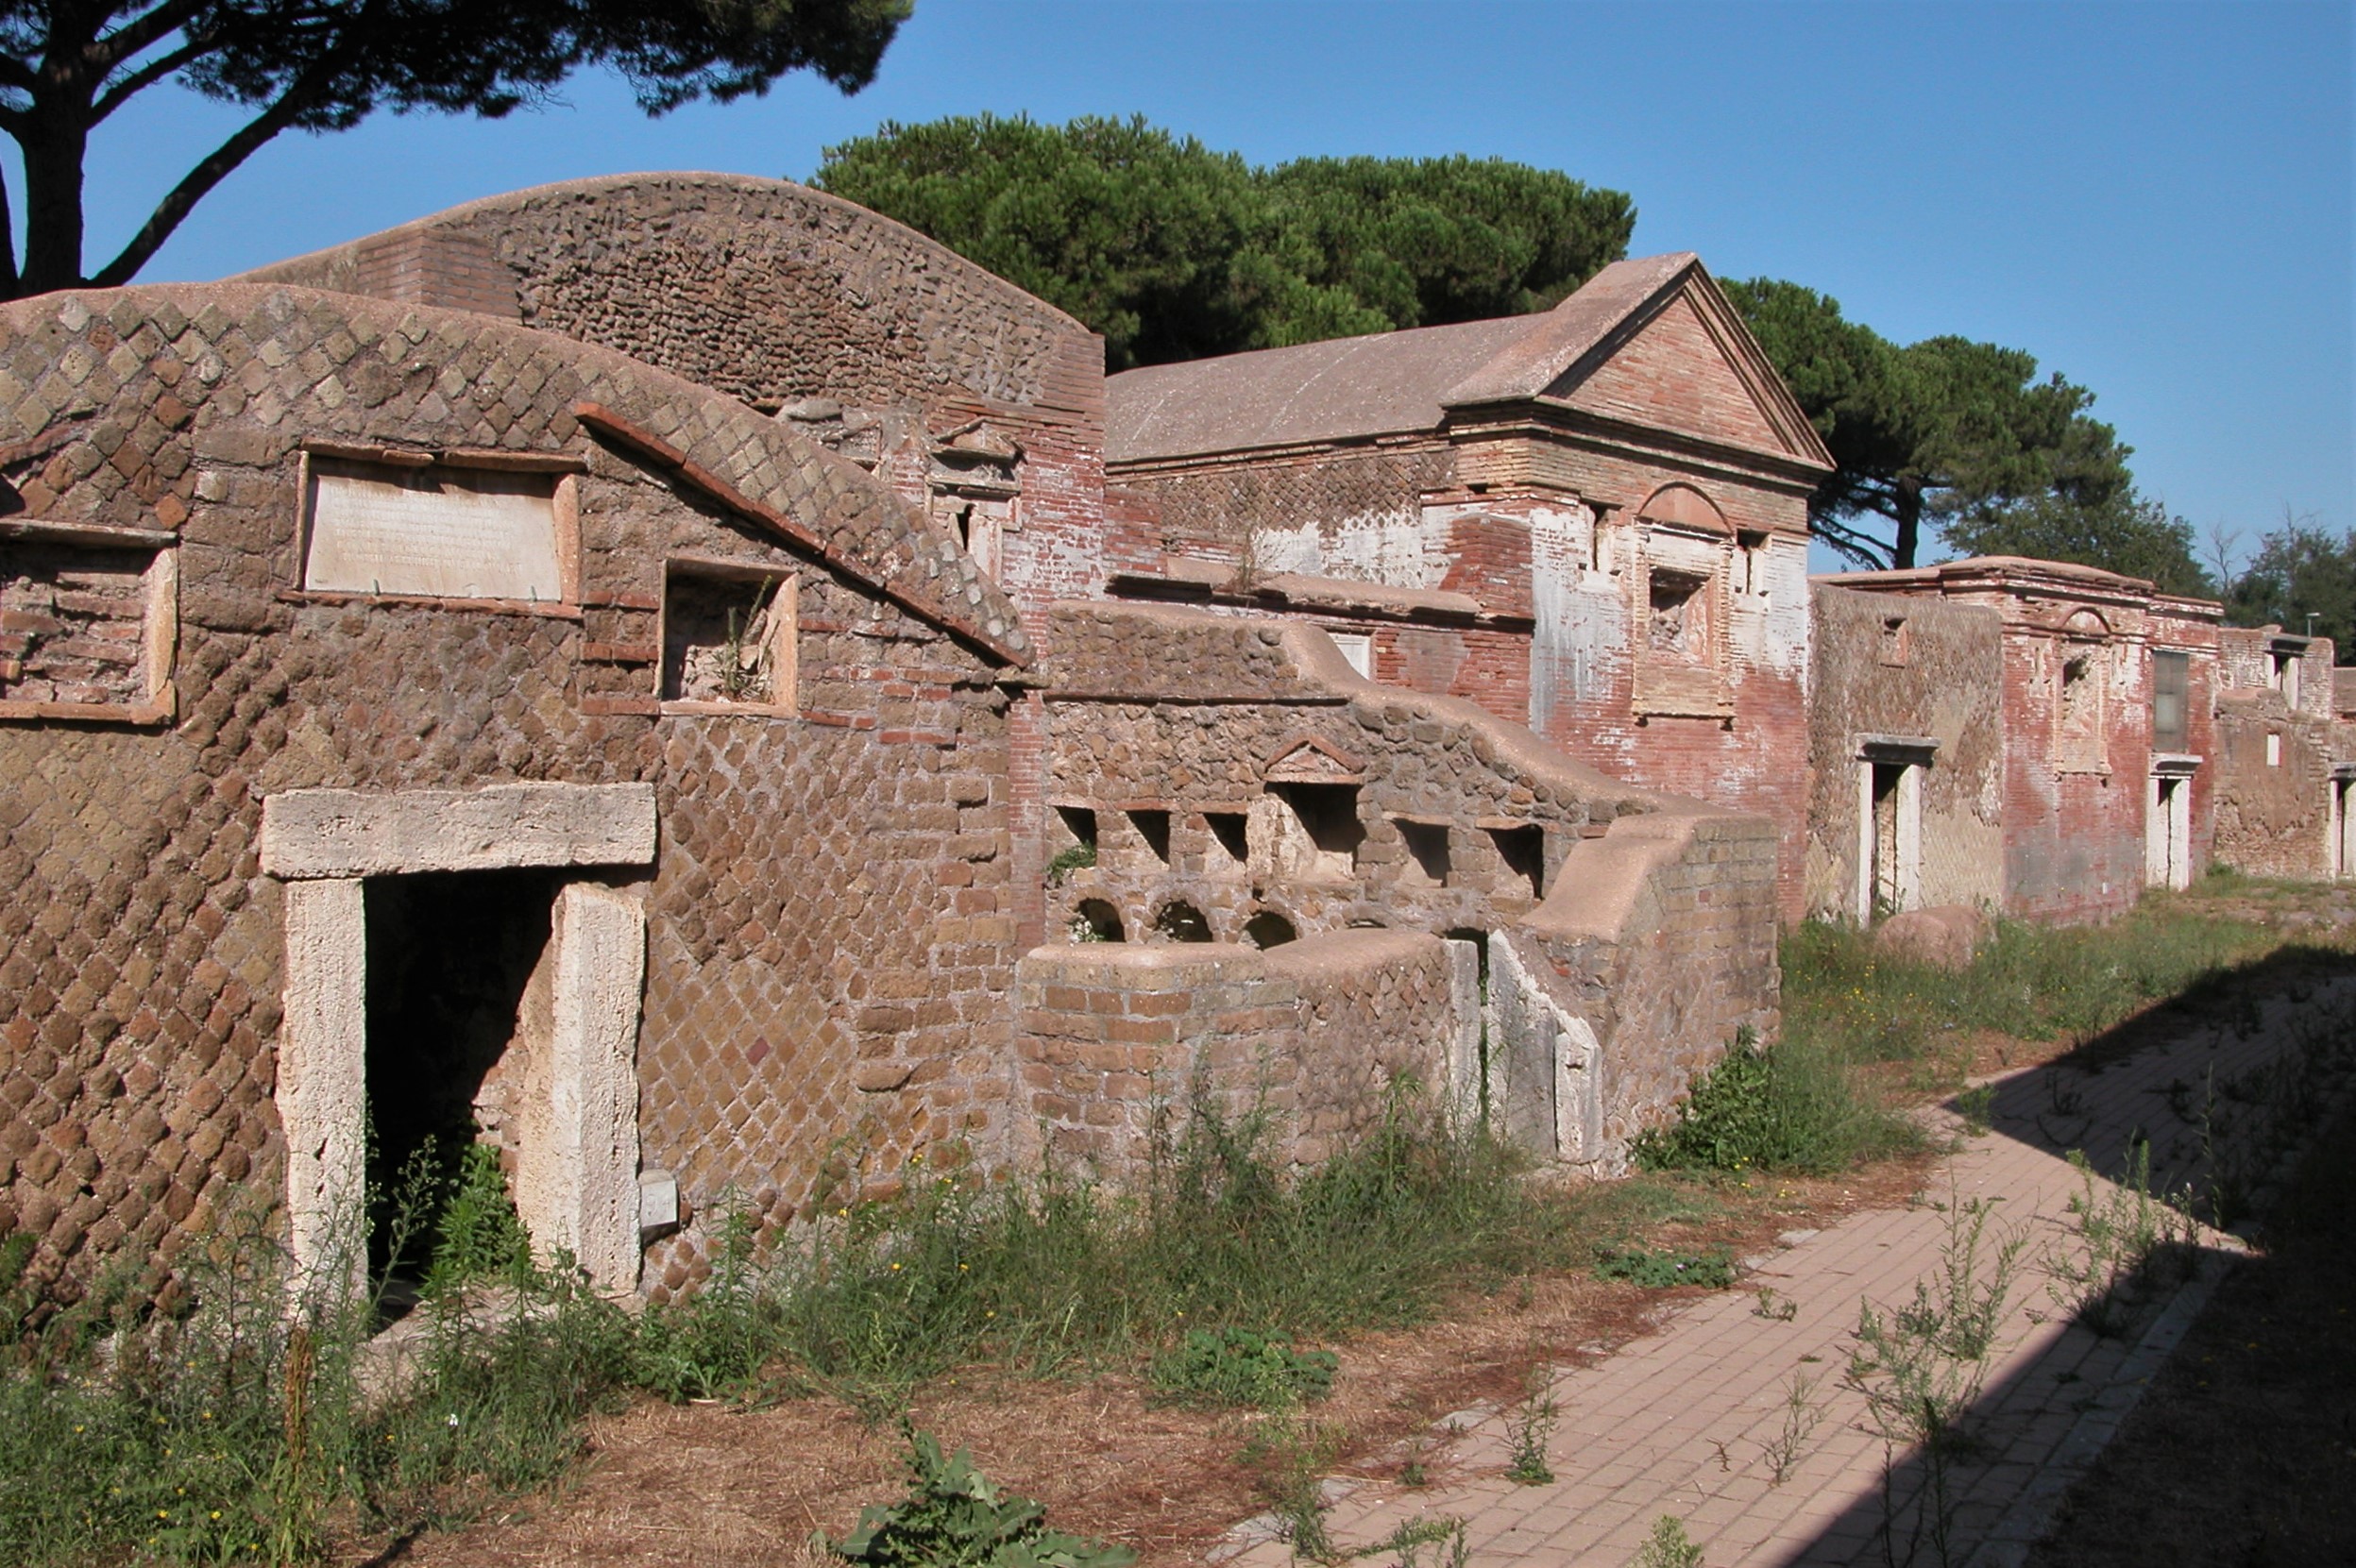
[[703, 1486]]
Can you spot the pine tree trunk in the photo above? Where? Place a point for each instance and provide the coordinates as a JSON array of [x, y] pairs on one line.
[[1909, 512], [54, 146]]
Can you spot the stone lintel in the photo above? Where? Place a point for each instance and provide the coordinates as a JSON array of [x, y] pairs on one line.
[[310, 834]]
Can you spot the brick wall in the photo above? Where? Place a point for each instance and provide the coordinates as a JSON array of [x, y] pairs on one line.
[[831, 933], [2270, 776], [868, 336], [1896, 666], [1116, 1038]]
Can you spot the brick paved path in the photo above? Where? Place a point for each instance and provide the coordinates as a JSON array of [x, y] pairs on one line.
[[1680, 1423]]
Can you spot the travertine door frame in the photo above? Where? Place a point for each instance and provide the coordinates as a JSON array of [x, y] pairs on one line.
[[2168, 821], [577, 1188], [1911, 755], [2342, 842]]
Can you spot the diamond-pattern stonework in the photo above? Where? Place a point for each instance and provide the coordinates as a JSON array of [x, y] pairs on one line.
[[733, 395], [818, 900]]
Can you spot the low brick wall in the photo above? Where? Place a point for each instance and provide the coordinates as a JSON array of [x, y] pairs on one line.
[[1112, 1037], [1630, 980]]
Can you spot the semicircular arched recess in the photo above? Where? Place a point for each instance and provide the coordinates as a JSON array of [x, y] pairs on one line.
[[1096, 920], [1180, 921], [1269, 929], [2086, 622], [1683, 506]]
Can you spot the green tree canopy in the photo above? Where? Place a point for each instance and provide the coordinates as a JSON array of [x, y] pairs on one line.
[[321, 65], [1174, 251], [1960, 434], [2129, 533], [2301, 568]]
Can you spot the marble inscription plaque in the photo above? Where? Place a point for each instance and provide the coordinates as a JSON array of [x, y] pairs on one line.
[[447, 533]]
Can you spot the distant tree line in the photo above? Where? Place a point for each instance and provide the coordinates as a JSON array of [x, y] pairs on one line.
[[1175, 251]]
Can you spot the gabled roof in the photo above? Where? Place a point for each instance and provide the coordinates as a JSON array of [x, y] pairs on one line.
[[1332, 391], [1405, 382]]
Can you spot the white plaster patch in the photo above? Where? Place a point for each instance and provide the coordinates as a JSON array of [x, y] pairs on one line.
[[1547, 1053]]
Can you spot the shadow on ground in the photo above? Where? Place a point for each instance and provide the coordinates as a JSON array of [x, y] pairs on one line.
[[2244, 1454]]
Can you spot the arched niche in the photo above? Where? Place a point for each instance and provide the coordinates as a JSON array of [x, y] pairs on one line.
[[1683, 506]]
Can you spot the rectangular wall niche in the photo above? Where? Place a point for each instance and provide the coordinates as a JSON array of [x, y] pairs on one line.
[[433, 531], [86, 629], [1427, 852], [729, 639], [1522, 850], [1316, 830]]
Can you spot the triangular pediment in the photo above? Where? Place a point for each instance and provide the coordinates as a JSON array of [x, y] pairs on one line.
[[1309, 760], [1687, 364]]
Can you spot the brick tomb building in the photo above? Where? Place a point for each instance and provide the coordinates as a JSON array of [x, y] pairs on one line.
[[2048, 740], [621, 672], [1592, 521]]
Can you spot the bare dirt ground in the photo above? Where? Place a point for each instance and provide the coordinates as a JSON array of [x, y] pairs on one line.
[[704, 1486]]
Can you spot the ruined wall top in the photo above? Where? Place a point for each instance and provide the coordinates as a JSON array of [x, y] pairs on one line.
[[97, 388], [762, 288], [2013, 582], [1168, 653]]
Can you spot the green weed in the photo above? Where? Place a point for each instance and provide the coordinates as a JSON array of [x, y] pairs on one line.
[[1236, 1366], [2128, 1243], [954, 1516], [1662, 1270], [1788, 1106], [1529, 1427], [1669, 1546]]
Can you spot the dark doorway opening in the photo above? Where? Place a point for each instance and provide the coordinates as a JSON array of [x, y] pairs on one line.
[[457, 1000], [1888, 871]]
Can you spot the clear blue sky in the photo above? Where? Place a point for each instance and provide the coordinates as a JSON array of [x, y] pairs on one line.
[[2153, 198]]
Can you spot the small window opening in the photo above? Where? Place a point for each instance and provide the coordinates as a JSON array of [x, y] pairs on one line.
[[2284, 675], [1095, 920], [1180, 921], [1896, 641], [1229, 831], [1154, 828], [1675, 624], [1427, 852], [1081, 823], [1524, 850], [1752, 553], [1324, 818], [1268, 929], [2171, 677], [728, 640]]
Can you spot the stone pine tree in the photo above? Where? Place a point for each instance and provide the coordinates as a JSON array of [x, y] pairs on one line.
[[1959, 435], [2300, 570], [322, 65], [1175, 251]]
